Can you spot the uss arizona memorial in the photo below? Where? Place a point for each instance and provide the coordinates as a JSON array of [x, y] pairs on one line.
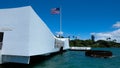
[[23, 34]]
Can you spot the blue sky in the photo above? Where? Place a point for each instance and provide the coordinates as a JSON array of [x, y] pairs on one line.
[[79, 17]]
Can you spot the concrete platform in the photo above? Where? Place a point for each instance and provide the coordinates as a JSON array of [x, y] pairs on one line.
[[80, 48]]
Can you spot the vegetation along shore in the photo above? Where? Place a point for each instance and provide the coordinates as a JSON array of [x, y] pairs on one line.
[[92, 43]]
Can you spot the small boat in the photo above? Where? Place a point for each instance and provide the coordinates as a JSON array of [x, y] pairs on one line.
[[98, 53]]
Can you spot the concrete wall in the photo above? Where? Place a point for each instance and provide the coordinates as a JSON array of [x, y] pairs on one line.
[[41, 38], [15, 25]]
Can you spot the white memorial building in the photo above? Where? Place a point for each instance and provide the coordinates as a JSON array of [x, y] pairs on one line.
[[23, 34]]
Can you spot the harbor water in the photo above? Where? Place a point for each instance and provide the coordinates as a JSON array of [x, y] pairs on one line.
[[74, 59]]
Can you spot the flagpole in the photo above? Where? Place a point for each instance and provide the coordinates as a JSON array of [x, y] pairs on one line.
[[60, 19], [61, 22]]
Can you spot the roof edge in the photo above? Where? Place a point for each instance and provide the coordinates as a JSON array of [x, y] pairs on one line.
[[16, 7]]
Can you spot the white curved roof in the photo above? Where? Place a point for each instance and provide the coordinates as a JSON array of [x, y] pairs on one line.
[[24, 32]]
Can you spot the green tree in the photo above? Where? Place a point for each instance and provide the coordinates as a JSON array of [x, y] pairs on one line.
[[93, 38]]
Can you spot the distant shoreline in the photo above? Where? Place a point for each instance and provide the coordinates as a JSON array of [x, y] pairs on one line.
[[94, 44]]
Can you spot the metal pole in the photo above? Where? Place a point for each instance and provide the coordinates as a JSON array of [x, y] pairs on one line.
[[60, 19], [60, 33]]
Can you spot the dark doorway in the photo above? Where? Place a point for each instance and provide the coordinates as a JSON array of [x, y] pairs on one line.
[[1, 39]]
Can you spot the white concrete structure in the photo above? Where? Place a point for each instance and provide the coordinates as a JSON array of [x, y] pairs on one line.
[[80, 48], [24, 34]]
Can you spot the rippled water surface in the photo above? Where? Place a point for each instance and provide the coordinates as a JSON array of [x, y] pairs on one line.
[[74, 59]]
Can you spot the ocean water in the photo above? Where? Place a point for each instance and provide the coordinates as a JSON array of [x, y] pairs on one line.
[[74, 59]]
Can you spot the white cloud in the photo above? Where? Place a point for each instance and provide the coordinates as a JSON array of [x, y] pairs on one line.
[[113, 34], [104, 35], [117, 25]]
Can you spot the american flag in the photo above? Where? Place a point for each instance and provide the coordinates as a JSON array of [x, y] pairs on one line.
[[55, 11]]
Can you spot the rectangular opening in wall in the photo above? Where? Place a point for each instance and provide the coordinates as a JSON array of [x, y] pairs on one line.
[[1, 39]]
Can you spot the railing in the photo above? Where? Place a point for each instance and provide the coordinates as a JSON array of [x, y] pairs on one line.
[[59, 43]]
